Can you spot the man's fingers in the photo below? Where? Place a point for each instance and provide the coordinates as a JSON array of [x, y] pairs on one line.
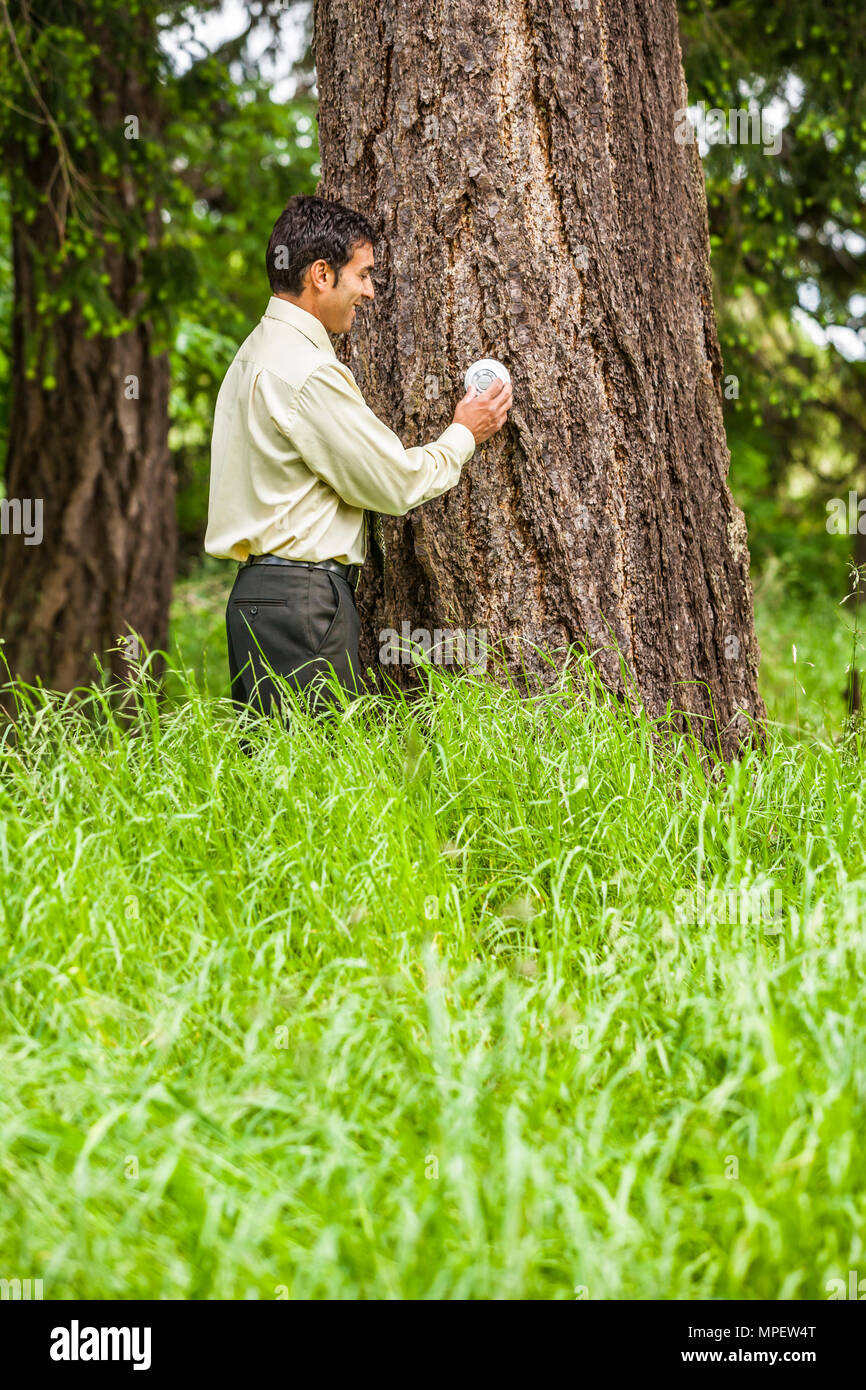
[[493, 407], [494, 388]]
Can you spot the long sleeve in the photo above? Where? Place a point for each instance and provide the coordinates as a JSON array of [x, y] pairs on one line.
[[344, 443]]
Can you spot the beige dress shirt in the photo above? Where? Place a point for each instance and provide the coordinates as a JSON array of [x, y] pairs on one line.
[[298, 456]]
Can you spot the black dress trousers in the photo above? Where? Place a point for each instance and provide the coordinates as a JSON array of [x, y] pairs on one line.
[[300, 622]]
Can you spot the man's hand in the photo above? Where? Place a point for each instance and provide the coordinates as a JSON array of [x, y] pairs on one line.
[[484, 414]]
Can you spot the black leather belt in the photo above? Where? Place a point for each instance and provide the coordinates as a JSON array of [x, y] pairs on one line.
[[351, 573]]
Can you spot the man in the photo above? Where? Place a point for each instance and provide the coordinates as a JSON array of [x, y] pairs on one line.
[[299, 461]]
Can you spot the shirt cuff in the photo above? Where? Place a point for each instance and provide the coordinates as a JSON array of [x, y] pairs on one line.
[[460, 438]]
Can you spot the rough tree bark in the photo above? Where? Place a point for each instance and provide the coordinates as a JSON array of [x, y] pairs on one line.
[[89, 417], [534, 205]]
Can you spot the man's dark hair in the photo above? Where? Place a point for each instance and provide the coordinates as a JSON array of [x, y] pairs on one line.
[[311, 229]]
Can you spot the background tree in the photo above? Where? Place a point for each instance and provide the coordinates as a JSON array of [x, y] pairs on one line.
[[139, 195], [89, 380], [534, 205]]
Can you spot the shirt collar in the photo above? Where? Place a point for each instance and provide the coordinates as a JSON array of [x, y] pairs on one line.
[[299, 318]]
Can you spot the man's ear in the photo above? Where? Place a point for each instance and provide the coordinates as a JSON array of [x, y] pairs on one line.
[[309, 281], [322, 278]]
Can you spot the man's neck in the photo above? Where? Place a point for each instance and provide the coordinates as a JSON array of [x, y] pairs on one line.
[[303, 303]]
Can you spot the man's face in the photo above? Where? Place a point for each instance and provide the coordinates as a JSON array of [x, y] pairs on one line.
[[337, 302]]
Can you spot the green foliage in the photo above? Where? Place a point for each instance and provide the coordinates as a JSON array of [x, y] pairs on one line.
[[778, 219], [68, 149], [172, 178], [787, 231]]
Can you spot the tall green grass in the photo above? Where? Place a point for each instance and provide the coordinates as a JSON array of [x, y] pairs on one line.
[[401, 1006]]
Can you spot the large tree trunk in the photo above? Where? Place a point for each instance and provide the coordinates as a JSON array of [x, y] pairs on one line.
[[89, 419], [535, 206]]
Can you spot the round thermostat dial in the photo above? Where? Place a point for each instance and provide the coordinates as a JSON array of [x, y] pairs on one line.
[[484, 372]]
